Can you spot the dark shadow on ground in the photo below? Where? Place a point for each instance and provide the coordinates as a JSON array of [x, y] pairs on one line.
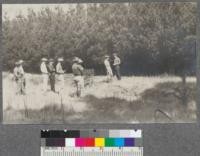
[[166, 97]]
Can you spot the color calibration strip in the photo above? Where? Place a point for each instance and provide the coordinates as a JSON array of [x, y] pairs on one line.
[[91, 142]]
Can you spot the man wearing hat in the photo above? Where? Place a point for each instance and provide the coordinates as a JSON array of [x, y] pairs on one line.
[[51, 69], [19, 77], [44, 71], [116, 66], [108, 68], [78, 69], [60, 75]]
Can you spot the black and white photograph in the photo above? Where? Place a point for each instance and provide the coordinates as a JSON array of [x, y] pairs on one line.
[[99, 63]]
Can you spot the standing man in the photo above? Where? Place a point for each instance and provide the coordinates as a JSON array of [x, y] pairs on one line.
[[19, 77], [80, 62], [60, 75], [44, 71], [108, 68], [52, 71], [116, 66], [77, 69]]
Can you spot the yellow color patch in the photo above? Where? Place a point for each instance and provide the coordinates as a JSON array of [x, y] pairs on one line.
[[99, 142]]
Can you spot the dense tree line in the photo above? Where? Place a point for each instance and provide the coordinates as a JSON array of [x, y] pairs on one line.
[[150, 38]]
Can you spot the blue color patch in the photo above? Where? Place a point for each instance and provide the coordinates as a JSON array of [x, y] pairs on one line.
[[119, 142]]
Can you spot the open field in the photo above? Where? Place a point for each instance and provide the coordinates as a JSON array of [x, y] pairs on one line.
[[134, 99]]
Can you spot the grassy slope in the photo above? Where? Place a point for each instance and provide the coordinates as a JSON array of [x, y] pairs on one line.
[[131, 100]]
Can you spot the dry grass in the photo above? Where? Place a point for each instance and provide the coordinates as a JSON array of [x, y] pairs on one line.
[[131, 100]]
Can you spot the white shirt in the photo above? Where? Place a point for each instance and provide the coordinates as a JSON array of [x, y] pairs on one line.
[[43, 68], [107, 63], [59, 68]]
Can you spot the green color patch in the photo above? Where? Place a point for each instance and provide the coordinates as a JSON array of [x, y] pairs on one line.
[[109, 142]]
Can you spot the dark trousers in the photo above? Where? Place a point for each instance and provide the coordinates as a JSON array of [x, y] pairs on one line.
[[117, 72], [52, 81]]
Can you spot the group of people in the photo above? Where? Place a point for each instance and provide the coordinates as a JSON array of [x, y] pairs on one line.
[[116, 66], [54, 74], [50, 73]]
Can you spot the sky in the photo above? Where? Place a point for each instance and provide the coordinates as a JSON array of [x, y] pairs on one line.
[[15, 9]]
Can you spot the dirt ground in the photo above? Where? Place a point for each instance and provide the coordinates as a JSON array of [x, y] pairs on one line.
[[134, 99]]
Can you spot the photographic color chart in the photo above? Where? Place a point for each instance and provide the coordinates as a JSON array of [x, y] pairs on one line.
[[91, 142]]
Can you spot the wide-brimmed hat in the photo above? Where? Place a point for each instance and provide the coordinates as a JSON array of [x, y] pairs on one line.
[[75, 59], [80, 60], [20, 61], [60, 59], [107, 56], [43, 59]]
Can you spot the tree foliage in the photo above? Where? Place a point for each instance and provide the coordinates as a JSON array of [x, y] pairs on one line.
[[150, 38]]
